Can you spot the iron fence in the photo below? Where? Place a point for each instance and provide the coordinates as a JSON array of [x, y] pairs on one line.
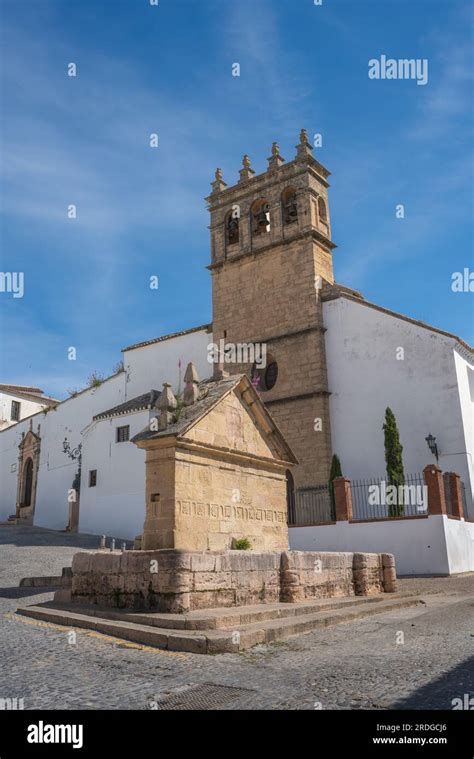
[[376, 499], [311, 506]]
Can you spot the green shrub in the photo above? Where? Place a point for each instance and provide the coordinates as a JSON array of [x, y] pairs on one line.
[[242, 544]]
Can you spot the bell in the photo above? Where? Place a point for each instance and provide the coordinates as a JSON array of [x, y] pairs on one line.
[[262, 219]]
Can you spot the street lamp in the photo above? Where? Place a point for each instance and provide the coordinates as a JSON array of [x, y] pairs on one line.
[[431, 440], [76, 455]]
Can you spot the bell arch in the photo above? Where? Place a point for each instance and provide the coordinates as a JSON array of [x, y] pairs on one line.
[[260, 217]]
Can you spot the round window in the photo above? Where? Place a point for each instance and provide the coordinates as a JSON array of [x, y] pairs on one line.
[[271, 374], [265, 379]]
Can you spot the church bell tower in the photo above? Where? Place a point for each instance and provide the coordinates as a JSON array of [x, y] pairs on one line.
[[271, 255]]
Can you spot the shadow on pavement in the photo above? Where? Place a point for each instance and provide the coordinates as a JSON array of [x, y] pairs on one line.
[[25, 592], [458, 683]]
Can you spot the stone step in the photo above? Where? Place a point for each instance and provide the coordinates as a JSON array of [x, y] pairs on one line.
[[215, 618], [40, 581], [223, 640]]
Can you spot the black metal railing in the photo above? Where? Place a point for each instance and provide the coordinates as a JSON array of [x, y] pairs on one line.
[[311, 506], [375, 498]]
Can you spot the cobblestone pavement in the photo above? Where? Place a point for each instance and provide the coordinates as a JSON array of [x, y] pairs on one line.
[[359, 665]]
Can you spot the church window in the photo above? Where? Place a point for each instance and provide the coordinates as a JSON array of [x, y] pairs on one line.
[[232, 227], [123, 434], [265, 379], [323, 216], [15, 414], [92, 478], [260, 214], [289, 205]]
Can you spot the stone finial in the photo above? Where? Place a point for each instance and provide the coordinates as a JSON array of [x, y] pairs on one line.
[[246, 172], [275, 159], [304, 148], [191, 379], [167, 403], [218, 184]]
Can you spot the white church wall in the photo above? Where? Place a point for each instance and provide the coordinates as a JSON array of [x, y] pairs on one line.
[[365, 377], [151, 365], [116, 505], [56, 470], [459, 536], [465, 377], [421, 546]]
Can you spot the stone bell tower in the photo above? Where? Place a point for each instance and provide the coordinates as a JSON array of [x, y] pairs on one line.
[[271, 252]]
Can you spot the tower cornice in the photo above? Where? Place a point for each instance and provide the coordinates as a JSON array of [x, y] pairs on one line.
[[245, 189]]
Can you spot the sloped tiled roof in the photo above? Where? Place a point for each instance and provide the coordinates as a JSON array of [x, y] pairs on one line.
[[140, 402], [339, 291], [168, 337], [35, 393], [210, 393]]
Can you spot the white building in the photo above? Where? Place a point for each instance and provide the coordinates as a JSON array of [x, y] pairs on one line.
[[19, 401], [432, 392]]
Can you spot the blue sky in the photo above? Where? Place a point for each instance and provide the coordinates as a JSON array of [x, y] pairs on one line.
[[167, 69]]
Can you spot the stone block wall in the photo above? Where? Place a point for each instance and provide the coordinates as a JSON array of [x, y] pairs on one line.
[[176, 581]]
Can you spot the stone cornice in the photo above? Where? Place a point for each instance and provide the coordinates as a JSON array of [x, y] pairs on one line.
[[288, 335], [301, 397], [235, 457], [311, 233], [267, 179]]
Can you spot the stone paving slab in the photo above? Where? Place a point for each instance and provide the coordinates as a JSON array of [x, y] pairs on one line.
[[359, 665]]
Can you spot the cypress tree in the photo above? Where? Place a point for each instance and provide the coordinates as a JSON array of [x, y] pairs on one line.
[[393, 458], [335, 471]]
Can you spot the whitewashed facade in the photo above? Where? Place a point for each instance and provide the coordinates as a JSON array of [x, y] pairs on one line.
[[18, 402], [375, 359]]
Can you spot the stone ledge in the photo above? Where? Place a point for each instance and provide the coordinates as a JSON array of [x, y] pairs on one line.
[[173, 581]]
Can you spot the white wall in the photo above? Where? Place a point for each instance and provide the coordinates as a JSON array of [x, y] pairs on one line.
[[116, 505], [365, 377], [421, 546], [459, 537], [148, 367], [27, 408], [56, 470], [465, 377]]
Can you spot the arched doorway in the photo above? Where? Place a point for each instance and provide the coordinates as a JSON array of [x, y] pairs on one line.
[[27, 482], [28, 465], [290, 497]]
